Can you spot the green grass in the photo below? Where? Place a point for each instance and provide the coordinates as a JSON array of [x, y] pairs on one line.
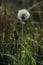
[[27, 49]]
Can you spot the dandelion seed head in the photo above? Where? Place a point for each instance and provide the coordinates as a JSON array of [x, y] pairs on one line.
[[23, 13]]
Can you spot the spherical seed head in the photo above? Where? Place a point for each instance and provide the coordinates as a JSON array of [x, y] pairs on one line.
[[23, 14]]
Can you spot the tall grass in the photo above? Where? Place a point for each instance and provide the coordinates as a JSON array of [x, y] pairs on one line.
[[21, 44]]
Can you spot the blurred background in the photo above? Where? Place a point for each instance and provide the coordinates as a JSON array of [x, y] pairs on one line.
[[21, 45]]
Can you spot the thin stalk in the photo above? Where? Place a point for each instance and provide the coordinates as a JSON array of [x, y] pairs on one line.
[[21, 42], [35, 5]]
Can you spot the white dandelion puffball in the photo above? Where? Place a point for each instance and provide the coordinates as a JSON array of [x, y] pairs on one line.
[[23, 12]]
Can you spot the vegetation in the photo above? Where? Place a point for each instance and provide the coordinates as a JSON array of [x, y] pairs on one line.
[[21, 44]]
